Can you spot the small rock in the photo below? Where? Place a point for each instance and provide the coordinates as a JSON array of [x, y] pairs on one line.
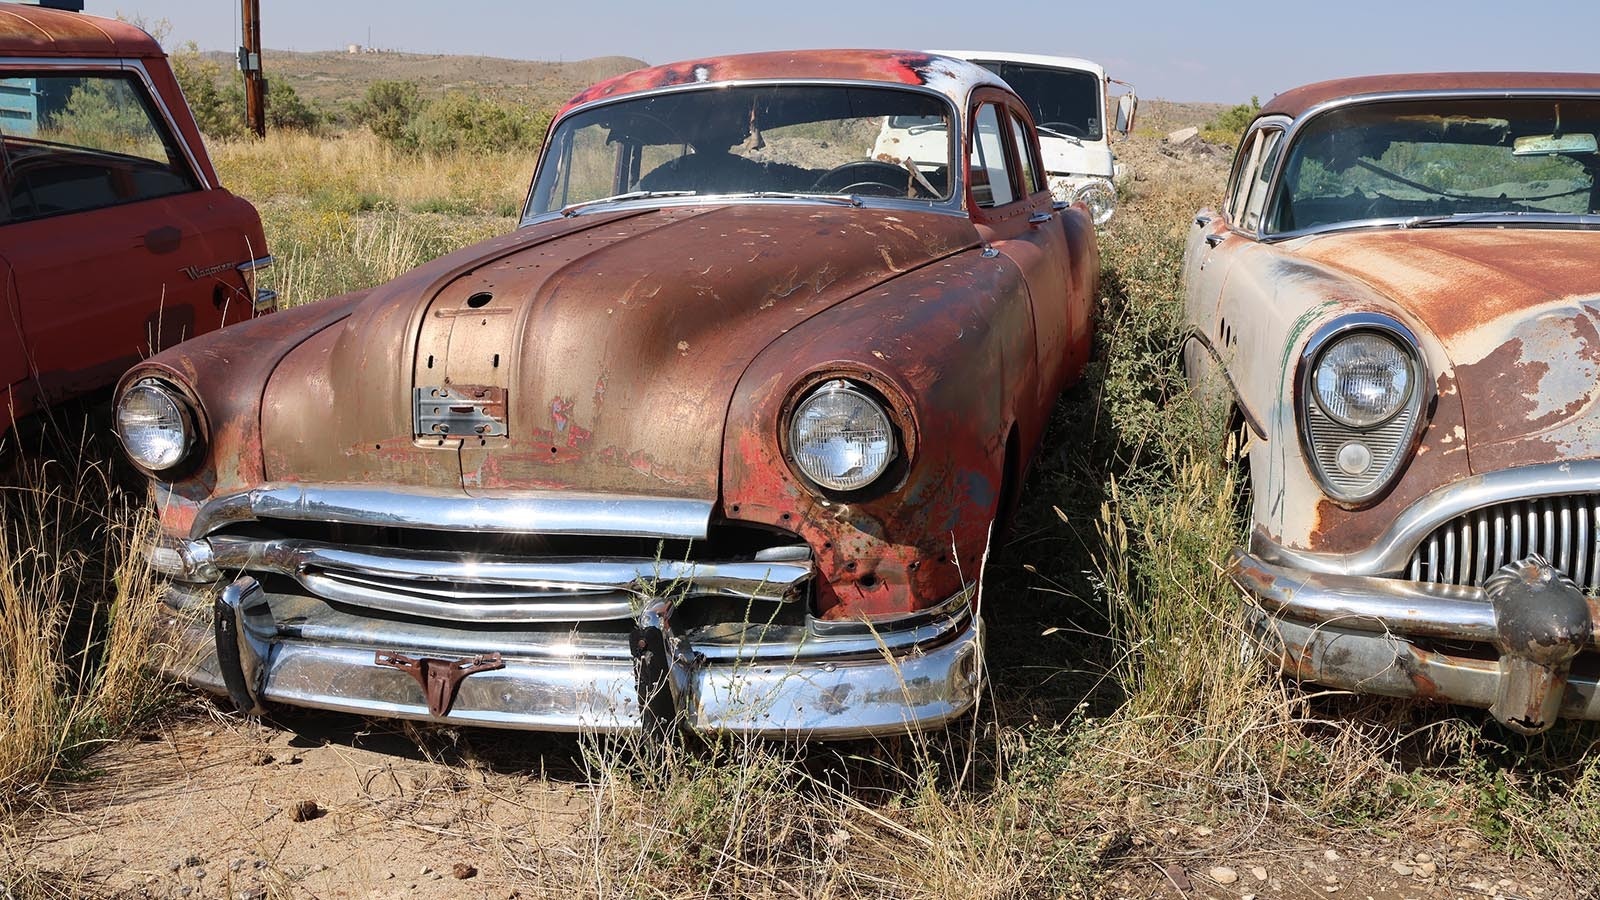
[[261, 758], [1259, 873], [387, 876], [200, 874], [1223, 875], [1423, 857], [259, 864], [1401, 868], [305, 811], [426, 870], [192, 860], [1330, 879], [236, 864], [175, 867], [463, 871], [1183, 135], [185, 891], [1203, 831], [1248, 897], [209, 733], [1331, 855], [1332, 888], [1426, 870]]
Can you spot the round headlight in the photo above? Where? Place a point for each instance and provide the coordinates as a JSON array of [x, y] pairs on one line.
[[154, 424], [1100, 197], [1363, 380], [840, 437]]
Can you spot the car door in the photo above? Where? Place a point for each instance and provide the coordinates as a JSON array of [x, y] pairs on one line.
[[16, 396], [118, 247], [1014, 215], [1218, 239]]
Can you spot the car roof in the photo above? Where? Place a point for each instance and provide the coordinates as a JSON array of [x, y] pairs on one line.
[[1032, 59], [1295, 103], [38, 31], [955, 78]]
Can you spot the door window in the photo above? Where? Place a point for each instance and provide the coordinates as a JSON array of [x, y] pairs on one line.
[[75, 142], [990, 172], [1025, 155]]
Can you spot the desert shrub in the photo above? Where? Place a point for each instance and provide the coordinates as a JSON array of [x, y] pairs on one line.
[[388, 110], [202, 82], [1228, 126], [474, 124]]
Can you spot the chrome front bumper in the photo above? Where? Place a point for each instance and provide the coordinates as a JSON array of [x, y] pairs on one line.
[[831, 680], [1400, 638]]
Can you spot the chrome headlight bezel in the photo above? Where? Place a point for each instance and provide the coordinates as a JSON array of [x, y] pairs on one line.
[[854, 390], [1100, 195], [1356, 461], [184, 428]]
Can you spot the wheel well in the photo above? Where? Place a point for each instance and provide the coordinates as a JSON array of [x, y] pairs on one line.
[[1010, 480]]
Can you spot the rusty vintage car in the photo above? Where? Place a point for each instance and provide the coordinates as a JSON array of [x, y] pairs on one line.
[[116, 239], [1399, 301], [716, 437]]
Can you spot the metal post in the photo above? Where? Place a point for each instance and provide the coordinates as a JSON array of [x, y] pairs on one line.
[[255, 85]]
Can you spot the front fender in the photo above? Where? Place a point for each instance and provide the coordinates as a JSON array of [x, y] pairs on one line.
[[951, 346]]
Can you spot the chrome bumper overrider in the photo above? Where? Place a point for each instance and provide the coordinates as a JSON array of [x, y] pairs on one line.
[[1405, 639], [826, 680]]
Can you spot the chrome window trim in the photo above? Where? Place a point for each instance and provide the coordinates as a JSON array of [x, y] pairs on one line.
[[1293, 133], [1391, 551], [118, 64], [1280, 122], [957, 178], [519, 512]]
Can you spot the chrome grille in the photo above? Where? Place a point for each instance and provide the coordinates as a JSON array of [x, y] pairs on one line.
[[1469, 548]]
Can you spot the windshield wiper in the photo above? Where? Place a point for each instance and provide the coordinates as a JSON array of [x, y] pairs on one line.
[[849, 199], [1050, 132], [1449, 219], [572, 208]]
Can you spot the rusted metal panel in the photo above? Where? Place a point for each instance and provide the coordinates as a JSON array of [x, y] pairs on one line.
[[618, 348], [957, 373], [1296, 102], [38, 31]]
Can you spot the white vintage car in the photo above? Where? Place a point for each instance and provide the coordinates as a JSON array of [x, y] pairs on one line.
[[1067, 98], [1398, 302]]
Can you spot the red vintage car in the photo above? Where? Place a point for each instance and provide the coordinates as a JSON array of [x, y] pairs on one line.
[[116, 241], [716, 437]]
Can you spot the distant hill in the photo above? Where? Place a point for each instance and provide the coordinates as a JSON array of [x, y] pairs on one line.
[[334, 78]]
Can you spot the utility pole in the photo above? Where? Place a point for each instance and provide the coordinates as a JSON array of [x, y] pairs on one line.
[[255, 83]]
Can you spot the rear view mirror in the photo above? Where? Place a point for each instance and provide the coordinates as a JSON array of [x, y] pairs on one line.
[[1547, 144], [1127, 105]]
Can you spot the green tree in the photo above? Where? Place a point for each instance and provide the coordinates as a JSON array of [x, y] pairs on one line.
[[468, 122], [1228, 126]]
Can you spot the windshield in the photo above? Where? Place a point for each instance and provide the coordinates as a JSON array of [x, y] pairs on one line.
[[1441, 158], [1065, 101], [785, 139]]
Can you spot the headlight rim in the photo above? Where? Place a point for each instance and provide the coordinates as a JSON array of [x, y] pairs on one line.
[[889, 399], [1332, 342], [1418, 402], [1097, 184], [189, 409]]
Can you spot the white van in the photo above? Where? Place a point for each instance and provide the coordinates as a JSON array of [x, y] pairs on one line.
[[1067, 97]]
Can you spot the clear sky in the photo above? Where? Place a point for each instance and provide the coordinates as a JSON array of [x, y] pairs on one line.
[[1202, 50]]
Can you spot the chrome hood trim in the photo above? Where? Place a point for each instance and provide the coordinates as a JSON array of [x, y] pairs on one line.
[[518, 512], [1390, 553]]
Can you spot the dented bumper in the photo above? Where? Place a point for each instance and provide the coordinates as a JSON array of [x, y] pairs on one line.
[[826, 680], [1512, 647]]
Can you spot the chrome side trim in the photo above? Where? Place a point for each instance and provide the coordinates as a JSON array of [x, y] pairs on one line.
[[1391, 551], [521, 512], [485, 588], [260, 262]]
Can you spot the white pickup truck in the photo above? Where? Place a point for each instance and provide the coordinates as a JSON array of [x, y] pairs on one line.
[[1068, 100]]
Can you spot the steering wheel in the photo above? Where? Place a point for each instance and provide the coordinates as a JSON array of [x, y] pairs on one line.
[[1064, 128], [864, 176]]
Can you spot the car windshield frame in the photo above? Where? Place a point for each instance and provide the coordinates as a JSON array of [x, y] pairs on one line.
[[950, 202], [1308, 123], [1092, 135]]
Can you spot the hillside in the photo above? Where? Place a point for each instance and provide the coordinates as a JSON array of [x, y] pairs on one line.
[[333, 78]]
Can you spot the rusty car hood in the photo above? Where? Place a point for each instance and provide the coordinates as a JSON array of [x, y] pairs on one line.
[[1517, 311], [594, 353]]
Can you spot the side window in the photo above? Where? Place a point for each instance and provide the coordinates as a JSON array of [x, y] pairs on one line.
[[1025, 155], [990, 174], [75, 142], [1243, 176], [1268, 141]]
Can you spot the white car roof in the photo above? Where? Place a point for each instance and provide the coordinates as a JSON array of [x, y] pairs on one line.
[[1033, 59]]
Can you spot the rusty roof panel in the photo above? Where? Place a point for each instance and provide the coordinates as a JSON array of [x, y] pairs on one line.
[[36, 31], [1296, 102], [955, 77]]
